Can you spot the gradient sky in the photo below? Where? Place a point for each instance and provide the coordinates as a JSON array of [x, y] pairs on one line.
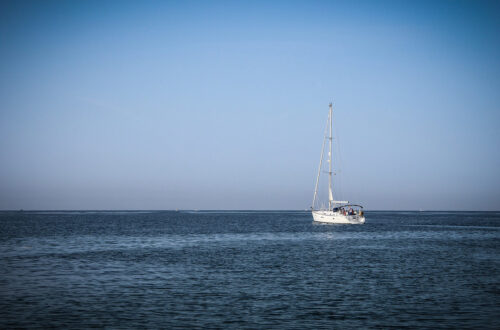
[[222, 105]]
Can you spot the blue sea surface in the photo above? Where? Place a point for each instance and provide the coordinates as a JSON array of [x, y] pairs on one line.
[[239, 269]]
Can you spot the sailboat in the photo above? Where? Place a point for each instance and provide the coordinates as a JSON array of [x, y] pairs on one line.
[[340, 212]]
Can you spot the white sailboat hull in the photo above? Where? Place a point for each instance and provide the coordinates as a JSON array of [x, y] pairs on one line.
[[337, 217]]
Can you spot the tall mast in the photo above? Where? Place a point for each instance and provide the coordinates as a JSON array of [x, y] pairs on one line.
[[330, 194]]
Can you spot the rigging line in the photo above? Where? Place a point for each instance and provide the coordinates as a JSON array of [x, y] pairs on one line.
[[353, 193], [340, 162], [320, 161], [330, 159]]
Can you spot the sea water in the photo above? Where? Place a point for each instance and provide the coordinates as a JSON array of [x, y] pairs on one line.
[[248, 270]]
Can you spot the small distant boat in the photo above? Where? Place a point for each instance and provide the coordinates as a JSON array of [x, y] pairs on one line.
[[340, 212]]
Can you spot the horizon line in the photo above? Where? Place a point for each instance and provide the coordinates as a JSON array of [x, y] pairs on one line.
[[212, 210]]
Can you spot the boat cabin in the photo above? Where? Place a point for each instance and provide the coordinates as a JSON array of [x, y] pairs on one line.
[[349, 209]]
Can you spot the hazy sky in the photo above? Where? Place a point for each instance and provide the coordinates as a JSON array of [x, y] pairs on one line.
[[222, 105]]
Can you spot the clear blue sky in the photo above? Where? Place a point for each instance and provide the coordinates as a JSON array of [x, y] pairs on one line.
[[222, 105]]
